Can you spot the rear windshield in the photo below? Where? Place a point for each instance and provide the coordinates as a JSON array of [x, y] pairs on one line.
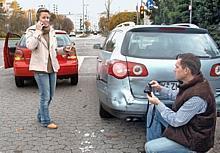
[[169, 45], [62, 40]]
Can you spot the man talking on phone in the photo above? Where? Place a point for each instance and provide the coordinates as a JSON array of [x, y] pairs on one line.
[[190, 123]]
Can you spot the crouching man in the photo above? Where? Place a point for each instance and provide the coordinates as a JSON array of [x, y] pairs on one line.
[[190, 124]]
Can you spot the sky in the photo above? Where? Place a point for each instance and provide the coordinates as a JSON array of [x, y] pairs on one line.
[[94, 7]]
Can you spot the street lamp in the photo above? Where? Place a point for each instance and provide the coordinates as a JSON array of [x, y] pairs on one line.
[[190, 13], [83, 17]]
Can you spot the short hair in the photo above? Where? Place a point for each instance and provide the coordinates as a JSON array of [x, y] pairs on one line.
[[39, 12], [191, 61]]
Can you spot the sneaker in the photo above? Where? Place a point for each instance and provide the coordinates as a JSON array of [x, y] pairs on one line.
[[52, 126]]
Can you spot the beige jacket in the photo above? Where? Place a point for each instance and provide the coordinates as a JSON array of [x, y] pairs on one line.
[[39, 47]]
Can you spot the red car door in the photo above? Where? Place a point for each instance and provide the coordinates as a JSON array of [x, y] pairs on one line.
[[11, 41]]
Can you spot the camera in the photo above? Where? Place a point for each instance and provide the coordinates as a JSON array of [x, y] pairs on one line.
[[148, 89]]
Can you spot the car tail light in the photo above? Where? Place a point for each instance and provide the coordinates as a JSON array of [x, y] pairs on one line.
[[70, 55], [215, 70], [172, 29], [121, 69], [19, 55]]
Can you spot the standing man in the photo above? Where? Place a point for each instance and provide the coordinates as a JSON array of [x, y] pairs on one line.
[[41, 40], [190, 124]]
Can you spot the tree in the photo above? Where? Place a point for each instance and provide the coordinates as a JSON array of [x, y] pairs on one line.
[[15, 6], [206, 14], [106, 25], [2, 20], [103, 25], [120, 18], [67, 25], [87, 25], [61, 22], [108, 7], [18, 22]]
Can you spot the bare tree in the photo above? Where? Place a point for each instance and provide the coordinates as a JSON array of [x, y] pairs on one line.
[[67, 25], [108, 6]]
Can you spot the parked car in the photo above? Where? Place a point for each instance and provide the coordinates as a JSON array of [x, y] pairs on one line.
[[17, 55], [72, 34], [134, 55]]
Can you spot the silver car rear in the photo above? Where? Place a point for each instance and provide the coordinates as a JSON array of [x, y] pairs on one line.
[[133, 56]]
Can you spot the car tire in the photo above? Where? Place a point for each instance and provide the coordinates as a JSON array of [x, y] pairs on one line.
[[103, 113], [19, 82], [74, 79]]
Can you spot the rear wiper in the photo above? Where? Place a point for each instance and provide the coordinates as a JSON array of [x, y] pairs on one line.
[[203, 56]]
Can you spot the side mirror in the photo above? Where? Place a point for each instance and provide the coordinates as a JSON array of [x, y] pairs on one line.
[[97, 46]]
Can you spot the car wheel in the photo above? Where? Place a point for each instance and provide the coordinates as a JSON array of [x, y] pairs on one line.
[[74, 79], [103, 113], [19, 82]]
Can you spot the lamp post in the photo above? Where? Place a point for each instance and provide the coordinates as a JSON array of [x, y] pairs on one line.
[[86, 15], [190, 13], [83, 18]]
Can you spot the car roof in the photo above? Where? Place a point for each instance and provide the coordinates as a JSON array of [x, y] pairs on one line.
[[160, 28], [60, 32]]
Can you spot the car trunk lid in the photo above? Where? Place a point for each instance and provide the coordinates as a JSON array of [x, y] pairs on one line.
[[158, 69]]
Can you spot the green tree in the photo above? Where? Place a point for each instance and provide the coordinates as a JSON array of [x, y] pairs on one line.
[[206, 14]]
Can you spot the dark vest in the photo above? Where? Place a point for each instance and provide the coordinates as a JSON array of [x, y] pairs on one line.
[[198, 134]]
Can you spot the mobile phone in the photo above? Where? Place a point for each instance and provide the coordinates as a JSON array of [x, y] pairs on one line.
[[43, 27]]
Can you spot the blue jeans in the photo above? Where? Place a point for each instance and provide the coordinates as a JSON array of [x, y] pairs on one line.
[[155, 142], [46, 84]]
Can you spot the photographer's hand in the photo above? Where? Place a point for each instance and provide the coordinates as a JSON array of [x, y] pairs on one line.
[[153, 99], [155, 85]]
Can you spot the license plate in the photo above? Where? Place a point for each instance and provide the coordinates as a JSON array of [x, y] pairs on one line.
[[168, 84]]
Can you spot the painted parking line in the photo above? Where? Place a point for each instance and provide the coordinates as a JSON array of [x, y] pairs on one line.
[[81, 59]]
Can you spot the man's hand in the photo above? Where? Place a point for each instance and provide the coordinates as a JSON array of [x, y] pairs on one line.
[[153, 99], [155, 85]]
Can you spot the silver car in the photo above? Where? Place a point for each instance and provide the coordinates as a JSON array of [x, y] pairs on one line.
[[134, 55]]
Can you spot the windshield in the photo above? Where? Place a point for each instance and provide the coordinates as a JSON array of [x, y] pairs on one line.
[[62, 40], [169, 45]]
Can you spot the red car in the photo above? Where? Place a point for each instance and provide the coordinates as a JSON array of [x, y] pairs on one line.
[[17, 55]]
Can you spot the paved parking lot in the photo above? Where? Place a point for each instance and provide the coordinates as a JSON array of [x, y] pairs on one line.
[[75, 110]]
